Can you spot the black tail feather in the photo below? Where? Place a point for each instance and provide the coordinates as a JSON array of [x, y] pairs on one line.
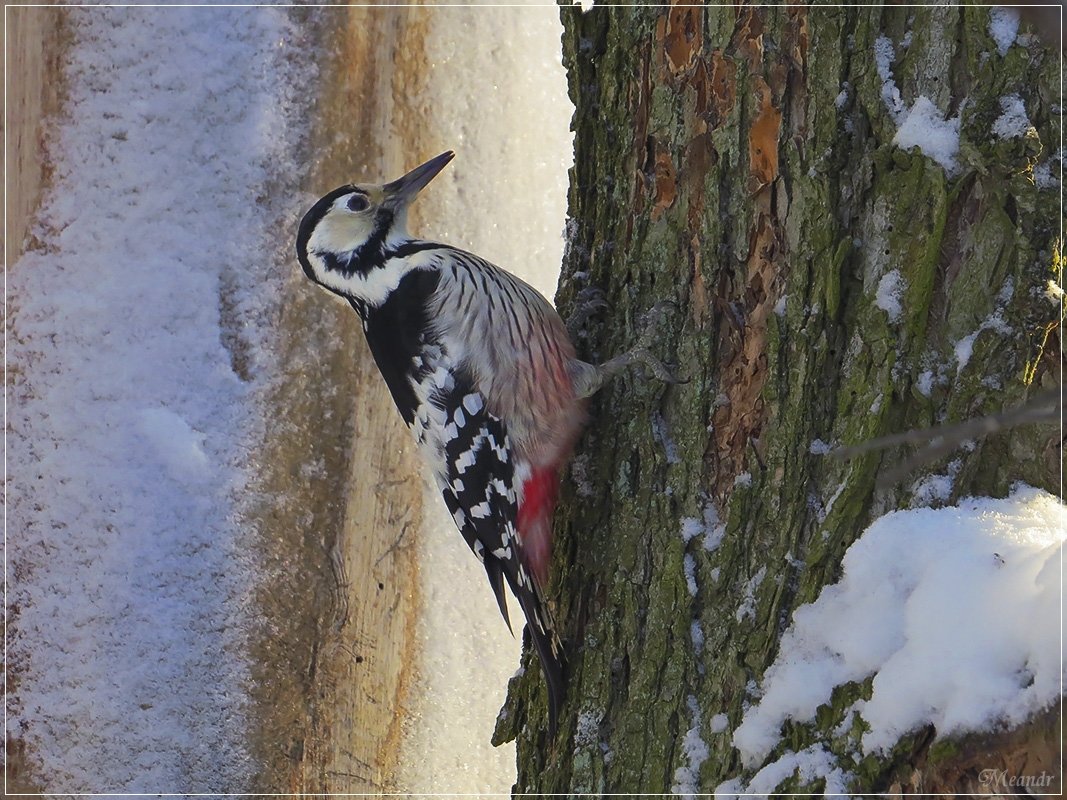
[[551, 665], [495, 571]]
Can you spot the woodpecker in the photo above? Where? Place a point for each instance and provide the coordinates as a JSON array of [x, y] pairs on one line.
[[483, 371]]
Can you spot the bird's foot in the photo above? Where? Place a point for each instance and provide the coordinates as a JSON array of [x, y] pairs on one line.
[[593, 377]]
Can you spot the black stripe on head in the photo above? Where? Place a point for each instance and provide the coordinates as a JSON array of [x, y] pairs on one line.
[[311, 219], [371, 253]]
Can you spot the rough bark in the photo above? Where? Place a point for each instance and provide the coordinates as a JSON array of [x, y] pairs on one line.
[[719, 166]]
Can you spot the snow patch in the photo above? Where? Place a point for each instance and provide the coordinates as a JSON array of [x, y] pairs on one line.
[[689, 566], [890, 293], [935, 488], [819, 448], [132, 422], [1043, 175], [884, 56], [696, 635], [925, 383], [842, 96], [811, 764], [779, 307], [922, 125], [964, 348], [694, 751], [829, 506], [178, 447], [929, 604], [1003, 27], [1012, 122], [747, 609], [925, 127], [691, 528], [711, 527]]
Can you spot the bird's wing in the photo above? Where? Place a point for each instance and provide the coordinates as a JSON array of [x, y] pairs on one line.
[[481, 488]]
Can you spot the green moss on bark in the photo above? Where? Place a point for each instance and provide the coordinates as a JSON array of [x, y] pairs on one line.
[[740, 162]]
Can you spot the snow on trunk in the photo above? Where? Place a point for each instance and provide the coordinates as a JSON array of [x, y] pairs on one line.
[[139, 347], [954, 613]]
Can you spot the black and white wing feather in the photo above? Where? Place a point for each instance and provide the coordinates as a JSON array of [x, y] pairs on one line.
[[481, 491]]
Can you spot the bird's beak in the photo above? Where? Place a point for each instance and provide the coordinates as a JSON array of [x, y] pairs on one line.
[[403, 190]]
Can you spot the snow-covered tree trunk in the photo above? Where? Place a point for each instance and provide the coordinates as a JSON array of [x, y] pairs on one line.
[[856, 213], [342, 494]]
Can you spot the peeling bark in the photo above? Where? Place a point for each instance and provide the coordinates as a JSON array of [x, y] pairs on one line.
[[739, 161]]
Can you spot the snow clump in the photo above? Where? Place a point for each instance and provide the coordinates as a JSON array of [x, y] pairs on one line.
[[930, 605]]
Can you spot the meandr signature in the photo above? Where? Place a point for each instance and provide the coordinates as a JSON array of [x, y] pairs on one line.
[[1001, 778]]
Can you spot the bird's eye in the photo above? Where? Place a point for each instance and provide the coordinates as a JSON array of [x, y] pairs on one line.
[[358, 202]]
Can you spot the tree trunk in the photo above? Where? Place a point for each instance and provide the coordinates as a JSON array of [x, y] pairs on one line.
[[339, 521], [740, 162]]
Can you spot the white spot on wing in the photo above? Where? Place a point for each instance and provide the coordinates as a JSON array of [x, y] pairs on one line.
[[473, 403]]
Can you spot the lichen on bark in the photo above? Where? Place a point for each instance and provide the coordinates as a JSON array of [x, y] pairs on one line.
[[739, 161]]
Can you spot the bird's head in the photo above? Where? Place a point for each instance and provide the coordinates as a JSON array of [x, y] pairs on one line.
[[344, 239]]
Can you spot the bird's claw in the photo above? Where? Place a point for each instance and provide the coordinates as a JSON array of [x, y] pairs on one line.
[[642, 355], [589, 301]]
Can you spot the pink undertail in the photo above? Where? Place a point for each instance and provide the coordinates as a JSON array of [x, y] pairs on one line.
[[535, 520]]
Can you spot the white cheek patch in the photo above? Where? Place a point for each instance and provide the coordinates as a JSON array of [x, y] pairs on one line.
[[340, 231]]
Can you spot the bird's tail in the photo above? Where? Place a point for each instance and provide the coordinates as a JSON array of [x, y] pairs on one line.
[[548, 648]]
